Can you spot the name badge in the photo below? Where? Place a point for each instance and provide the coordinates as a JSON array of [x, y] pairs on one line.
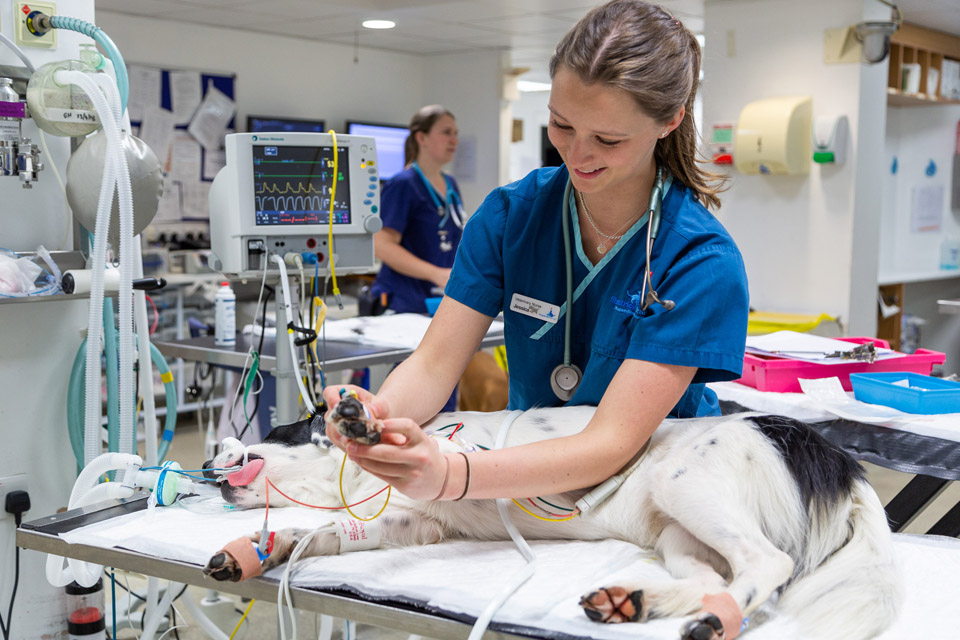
[[535, 308]]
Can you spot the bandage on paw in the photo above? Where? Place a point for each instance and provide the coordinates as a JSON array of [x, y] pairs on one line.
[[724, 607], [353, 420], [245, 553]]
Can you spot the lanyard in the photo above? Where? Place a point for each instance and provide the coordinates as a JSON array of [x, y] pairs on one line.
[[451, 207]]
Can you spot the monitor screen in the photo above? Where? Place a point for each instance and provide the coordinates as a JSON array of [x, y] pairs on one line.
[[390, 140], [292, 185], [257, 124]]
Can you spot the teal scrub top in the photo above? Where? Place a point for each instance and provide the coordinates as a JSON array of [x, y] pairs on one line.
[[512, 253]]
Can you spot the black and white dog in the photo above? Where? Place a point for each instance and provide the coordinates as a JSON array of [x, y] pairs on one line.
[[749, 505]]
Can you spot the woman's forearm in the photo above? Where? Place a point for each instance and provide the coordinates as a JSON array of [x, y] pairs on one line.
[[404, 262]]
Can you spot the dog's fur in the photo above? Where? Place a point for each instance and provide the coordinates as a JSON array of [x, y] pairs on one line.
[[751, 505]]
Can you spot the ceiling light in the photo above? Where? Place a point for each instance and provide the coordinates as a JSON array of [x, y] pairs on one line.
[[527, 85], [379, 24]]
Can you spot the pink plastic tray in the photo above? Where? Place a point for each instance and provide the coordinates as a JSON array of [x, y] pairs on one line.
[[780, 374]]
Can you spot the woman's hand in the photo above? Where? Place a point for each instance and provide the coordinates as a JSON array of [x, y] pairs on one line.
[[406, 458]]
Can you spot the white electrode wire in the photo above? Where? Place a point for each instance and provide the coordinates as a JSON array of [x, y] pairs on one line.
[[285, 287], [201, 618], [284, 598], [246, 360], [510, 587]]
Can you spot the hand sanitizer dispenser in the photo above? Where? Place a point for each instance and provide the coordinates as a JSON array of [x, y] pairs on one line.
[[830, 134], [773, 136]]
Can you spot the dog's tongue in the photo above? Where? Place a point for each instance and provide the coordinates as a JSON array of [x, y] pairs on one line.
[[246, 475]]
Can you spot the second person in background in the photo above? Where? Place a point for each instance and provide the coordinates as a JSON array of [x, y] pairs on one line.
[[423, 217]]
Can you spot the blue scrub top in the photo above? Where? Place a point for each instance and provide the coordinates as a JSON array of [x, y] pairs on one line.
[[513, 244], [406, 206]]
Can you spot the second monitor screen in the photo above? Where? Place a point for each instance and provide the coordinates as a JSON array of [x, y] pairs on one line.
[[292, 185]]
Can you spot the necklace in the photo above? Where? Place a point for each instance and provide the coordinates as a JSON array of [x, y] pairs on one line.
[[602, 245]]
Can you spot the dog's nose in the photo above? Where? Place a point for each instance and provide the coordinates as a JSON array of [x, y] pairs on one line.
[[209, 475]]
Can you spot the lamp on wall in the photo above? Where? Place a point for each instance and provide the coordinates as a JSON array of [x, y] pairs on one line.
[[875, 34]]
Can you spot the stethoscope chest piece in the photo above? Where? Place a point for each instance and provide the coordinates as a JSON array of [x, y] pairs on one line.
[[565, 379]]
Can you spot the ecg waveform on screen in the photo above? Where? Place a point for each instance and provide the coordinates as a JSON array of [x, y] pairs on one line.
[[290, 188], [293, 203], [292, 185]]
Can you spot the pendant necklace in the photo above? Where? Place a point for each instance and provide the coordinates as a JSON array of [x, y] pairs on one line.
[[602, 245]]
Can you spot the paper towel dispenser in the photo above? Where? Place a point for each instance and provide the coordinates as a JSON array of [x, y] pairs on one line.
[[773, 136]]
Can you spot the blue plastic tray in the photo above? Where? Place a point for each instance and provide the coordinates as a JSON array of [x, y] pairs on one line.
[[906, 391]]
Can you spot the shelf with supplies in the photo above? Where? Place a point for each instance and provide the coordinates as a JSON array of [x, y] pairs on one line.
[[924, 67]]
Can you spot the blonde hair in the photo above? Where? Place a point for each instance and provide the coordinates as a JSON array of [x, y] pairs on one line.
[[642, 49], [422, 121]]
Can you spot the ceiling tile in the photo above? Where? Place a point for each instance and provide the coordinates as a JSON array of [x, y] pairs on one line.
[[525, 24], [138, 7]]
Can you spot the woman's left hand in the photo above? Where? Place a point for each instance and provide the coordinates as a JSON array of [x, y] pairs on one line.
[[406, 457]]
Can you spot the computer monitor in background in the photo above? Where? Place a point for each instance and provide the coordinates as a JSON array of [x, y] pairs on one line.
[[390, 140], [270, 124]]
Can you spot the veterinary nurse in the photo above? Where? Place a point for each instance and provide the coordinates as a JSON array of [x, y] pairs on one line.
[[422, 214], [657, 309]]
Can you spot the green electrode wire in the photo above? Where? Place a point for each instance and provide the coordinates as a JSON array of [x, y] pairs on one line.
[[251, 376]]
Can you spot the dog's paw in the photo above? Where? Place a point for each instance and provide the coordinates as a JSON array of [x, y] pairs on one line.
[[705, 626], [223, 566], [614, 604], [353, 421]]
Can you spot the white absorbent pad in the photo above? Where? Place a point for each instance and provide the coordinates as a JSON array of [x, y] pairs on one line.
[[458, 579], [400, 330]]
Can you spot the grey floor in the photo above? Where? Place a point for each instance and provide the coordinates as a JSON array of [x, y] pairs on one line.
[[261, 622]]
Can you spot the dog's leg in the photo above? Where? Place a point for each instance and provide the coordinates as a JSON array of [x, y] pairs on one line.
[[405, 528], [690, 490], [694, 577]]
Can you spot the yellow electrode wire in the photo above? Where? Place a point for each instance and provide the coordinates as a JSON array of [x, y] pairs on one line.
[[564, 519], [333, 195], [241, 619], [319, 315], [344, 498]]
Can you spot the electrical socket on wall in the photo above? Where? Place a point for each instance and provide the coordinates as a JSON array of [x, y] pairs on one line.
[[21, 33], [8, 484]]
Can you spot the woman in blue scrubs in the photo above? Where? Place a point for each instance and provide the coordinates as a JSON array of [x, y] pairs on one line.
[[655, 313], [422, 215]]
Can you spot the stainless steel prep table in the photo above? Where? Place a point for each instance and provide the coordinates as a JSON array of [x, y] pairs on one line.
[[42, 535]]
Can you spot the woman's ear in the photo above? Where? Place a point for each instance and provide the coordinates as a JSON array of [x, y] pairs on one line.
[[674, 122]]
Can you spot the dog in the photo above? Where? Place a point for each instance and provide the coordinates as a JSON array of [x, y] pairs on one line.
[[755, 506]]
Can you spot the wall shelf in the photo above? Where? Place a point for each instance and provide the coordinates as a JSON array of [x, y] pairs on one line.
[[897, 98], [926, 48]]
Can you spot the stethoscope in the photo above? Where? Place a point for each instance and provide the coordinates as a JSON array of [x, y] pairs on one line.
[[566, 377], [450, 209]]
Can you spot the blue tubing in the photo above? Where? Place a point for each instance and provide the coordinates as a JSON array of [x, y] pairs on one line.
[[76, 404], [101, 38]]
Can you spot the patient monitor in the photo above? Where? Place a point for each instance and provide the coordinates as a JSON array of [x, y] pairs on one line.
[[273, 198]]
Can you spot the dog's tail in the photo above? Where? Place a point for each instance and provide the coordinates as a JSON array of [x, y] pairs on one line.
[[855, 592]]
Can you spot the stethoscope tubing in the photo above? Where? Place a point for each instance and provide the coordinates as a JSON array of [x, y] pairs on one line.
[[452, 207], [653, 227]]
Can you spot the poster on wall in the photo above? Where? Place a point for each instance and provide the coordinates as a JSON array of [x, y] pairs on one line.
[[926, 208], [183, 115]]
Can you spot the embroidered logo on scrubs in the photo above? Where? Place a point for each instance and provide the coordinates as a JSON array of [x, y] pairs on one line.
[[630, 305], [535, 308]]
